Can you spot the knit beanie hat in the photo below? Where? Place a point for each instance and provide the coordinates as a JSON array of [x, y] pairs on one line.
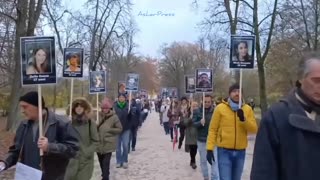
[[106, 103], [233, 87], [32, 98]]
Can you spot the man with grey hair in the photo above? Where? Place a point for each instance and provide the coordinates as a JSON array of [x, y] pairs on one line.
[[288, 141]]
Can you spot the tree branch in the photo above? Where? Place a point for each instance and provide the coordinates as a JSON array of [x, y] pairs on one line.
[[246, 23], [265, 18], [8, 16], [273, 19], [251, 7]]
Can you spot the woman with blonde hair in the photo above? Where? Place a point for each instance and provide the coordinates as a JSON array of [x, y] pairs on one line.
[[81, 167]]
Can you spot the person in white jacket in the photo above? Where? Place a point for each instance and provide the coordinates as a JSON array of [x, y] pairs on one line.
[[165, 120]]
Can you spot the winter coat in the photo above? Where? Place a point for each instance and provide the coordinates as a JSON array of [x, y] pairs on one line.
[[227, 131], [81, 167], [190, 131], [173, 115], [63, 145], [202, 131], [109, 128], [287, 144], [134, 115], [123, 115], [164, 109]]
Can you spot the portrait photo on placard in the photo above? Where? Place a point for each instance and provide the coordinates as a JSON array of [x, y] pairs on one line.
[[173, 92], [132, 82], [164, 92], [122, 87], [143, 94], [204, 80], [73, 62], [97, 82], [242, 52], [38, 65], [190, 84]]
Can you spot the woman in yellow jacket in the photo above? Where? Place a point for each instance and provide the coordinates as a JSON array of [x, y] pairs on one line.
[[228, 130]]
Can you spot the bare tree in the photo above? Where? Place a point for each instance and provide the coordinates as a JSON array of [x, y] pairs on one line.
[[25, 17], [246, 20], [6, 46], [107, 21], [180, 59], [302, 16]]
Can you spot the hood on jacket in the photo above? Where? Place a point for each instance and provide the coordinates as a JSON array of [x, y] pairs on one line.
[[83, 103]]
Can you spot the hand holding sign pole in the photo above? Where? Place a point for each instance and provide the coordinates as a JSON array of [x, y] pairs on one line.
[[40, 115], [35, 51], [242, 56], [132, 84]]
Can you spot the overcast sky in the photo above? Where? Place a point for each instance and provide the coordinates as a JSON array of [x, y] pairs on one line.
[[175, 21]]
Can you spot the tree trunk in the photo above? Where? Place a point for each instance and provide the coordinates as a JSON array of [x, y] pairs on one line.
[[262, 88], [28, 13], [16, 89]]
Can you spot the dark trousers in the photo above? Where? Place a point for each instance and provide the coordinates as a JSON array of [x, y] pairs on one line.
[[181, 138], [171, 133], [166, 127], [193, 153], [104, 160], [133, 137]]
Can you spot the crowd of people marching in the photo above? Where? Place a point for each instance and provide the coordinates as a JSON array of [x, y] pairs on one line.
[[224, 124], [69, 146], [286, 147]]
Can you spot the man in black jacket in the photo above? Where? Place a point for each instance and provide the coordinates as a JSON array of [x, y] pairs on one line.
[[59, 144], [134, 116], [287, 144]]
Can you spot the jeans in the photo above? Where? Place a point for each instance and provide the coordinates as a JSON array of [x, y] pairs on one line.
[[123, 147], [231, 163], [104, 160], [204, 163], [166, 127]]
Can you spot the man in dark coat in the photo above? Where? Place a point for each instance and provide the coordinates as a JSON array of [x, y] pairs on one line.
[[287, 144], [134, 116], [59, 144], [121, 109]]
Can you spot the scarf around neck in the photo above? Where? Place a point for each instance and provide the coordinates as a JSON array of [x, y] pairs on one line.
[[307, 103], [234, 106], [121, 105]]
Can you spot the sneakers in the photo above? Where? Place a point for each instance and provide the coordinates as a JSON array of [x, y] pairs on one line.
[[118, 166], [125, 165], [133, 149]]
